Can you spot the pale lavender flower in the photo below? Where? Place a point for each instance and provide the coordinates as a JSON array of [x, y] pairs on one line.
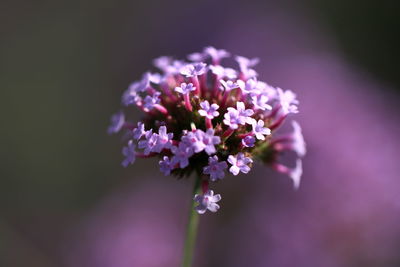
[[287, 100], [168, 65], [260, 102], [185, 88], [155, 78], [222, 72], [182, 153], [130, 96], [217, 70], [139, 131], [239, 163], [216, 54], [215, 169], [246, 63], [295, 174], [194, 140], [244, 113], [267, 90], [191, 70], [228, 85], [209, 141], [163, 63], [129, 153], [249, 73], [248, 141], [117, 122], [208, 201], [163, 140], [151, 101], [299, 145], [230, 73], [208, 111], [237, 116], [144, 83], [250, 87], [196, 56], [259, 130], [232, 118], [175, 67], [166, 166], [199, 141], [149, 143]]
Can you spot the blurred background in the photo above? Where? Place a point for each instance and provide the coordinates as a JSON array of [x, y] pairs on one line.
[[66, 201]]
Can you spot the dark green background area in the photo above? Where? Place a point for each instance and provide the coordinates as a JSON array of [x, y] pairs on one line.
[[64, 65]]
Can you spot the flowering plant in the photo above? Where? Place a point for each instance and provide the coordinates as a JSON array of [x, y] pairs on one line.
[[201, 117]]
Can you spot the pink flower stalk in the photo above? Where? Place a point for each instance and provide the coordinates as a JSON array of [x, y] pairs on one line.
[[201, 117]]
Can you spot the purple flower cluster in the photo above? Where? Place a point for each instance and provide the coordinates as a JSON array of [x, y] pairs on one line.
[[205, 118]]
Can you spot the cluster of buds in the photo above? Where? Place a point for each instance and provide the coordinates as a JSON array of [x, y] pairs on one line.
[[205, 118]]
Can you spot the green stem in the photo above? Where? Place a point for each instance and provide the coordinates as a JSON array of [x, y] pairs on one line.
[[192, 226]]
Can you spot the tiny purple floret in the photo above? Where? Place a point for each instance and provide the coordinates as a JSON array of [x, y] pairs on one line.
[[117, 122], [185, 88], [259, 130], [166, 166], [129, 153], [208, 201], [208, 111], [139, 131], [191, 70], [248, 141], [239, 163], [215, 169], [151, 101]]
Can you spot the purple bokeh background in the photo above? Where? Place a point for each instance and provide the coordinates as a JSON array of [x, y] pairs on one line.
[[346, 212]]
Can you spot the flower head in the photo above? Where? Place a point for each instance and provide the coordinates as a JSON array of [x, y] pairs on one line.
[[205, 118]]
